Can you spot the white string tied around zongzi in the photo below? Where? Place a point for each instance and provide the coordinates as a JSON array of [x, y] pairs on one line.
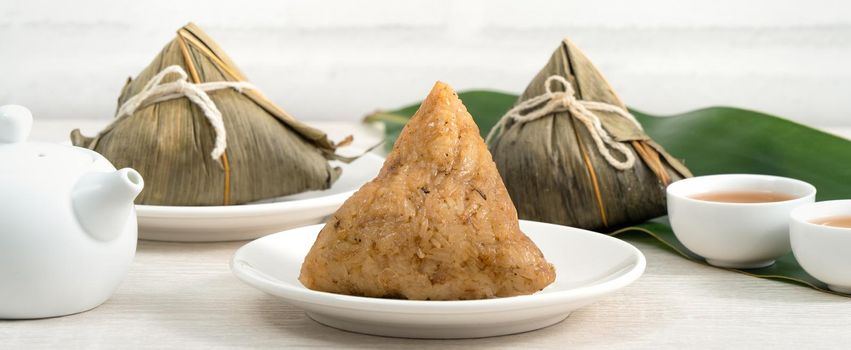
[[156, 91], [560, 101]]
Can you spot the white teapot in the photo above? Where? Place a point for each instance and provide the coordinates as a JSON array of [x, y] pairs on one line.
[[67, 224]]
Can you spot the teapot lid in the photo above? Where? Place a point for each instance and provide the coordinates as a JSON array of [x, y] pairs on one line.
[[15, 125]]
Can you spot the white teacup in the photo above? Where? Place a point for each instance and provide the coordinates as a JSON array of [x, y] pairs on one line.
[[823, 251], [735, 235]]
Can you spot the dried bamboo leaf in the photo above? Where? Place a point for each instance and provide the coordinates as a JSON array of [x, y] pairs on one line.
[[554, 172], [269, 153]]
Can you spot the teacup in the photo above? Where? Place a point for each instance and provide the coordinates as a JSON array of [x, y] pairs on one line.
[[823, 251], [736, 235]]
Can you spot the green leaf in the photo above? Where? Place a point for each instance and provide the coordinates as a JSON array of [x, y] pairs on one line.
[[711, 141], [730, 140]]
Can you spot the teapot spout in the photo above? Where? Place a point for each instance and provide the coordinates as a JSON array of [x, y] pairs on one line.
[[103, 201]]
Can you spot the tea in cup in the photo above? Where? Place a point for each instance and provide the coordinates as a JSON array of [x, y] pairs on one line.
[[736, 220], [821, 241]]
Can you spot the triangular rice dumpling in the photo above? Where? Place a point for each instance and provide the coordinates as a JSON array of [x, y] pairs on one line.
[[554, 170], [268, 153], [436, 224]]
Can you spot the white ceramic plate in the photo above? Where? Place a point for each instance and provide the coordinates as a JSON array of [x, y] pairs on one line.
[[249, 221], [588, 265]]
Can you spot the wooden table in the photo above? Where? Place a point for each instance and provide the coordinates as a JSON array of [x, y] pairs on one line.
[[181, 296]]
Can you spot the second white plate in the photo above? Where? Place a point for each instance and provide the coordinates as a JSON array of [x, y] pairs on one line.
[[249, 221], [589, 265]]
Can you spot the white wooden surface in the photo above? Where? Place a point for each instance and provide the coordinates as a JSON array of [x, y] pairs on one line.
[[183, 296], [339, 59]]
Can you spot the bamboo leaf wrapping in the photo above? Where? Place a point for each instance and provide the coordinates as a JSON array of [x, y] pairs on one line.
[[269, 153], [555, 174]]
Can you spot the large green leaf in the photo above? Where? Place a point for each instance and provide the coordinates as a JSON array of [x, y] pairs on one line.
[[711, 141]]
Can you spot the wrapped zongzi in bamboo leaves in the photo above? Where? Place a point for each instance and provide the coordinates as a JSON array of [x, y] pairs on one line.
[[200, 134], [570, 153]]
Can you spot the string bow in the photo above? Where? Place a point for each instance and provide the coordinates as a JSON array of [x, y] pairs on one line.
[[156, 91], [583, 111]]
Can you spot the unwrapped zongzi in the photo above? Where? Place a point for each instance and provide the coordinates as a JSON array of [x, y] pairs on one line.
[[200, 134], [436, 224], [570, 153]]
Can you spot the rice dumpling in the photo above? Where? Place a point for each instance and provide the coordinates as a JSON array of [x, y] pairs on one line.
[[567, 151], [200, 134], [435, 224]]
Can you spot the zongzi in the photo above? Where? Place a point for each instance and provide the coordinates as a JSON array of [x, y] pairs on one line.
[[567, 151], [436, 224], [200, 134]]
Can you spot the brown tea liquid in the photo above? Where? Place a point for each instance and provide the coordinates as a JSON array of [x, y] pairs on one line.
[[834, 221], [743, 197]]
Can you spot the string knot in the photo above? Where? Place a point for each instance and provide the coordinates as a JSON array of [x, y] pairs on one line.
[[156, 91], [568, 97], [559, 101]]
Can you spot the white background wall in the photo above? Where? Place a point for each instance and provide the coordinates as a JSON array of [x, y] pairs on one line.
[[341, 59]]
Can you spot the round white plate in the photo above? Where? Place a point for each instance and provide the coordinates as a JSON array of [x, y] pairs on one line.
[[249, 221], [589, 265]]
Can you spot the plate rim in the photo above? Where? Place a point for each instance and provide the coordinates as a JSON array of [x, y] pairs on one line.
[[304, 295], [244, 210]]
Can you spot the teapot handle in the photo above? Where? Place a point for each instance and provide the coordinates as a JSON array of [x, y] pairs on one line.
[[15, 124]]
